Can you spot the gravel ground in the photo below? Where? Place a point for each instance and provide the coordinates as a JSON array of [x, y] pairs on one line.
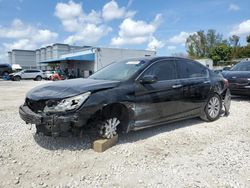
[[189, 153]]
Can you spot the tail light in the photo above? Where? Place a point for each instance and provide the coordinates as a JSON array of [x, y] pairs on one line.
[[226, 84]]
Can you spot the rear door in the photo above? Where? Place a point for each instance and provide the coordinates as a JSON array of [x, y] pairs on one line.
[[26, 74], [159, 101], [195, 80]]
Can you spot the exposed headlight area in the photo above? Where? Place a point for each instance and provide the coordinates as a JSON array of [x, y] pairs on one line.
[[67, 104]]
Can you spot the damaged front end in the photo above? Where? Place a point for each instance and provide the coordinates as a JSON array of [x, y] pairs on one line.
[[55, 117]]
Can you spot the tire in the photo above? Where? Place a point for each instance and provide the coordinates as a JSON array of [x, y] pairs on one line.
[[5, 74], [38, 78], [212, 109], [17, 78]]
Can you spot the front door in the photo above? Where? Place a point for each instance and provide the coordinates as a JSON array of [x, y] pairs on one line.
[[159, 101]]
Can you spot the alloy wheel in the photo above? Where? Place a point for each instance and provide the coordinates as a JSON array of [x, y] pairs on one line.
[[109, 127], [214, 107]]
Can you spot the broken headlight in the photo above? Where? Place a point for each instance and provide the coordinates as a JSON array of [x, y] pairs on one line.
[[67, 104]]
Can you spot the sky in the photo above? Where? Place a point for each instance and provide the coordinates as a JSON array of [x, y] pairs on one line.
[[161, 25]]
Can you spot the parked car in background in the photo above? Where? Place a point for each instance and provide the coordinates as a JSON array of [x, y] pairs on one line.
[[5, 70], [58, 76], [48, 74], [34, 74], [128, 95], [239, 78]]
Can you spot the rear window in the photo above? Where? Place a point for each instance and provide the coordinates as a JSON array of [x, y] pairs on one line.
[[191, 69]]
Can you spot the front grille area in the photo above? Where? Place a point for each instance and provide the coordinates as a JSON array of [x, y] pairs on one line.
[[35, 106]]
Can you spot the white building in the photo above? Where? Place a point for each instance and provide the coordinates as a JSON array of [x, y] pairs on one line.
[[24, 58], [80, 60]]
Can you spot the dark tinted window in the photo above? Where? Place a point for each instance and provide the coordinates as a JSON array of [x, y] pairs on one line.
[[31, 71], [191, 69], [163, 70], [4, 66]]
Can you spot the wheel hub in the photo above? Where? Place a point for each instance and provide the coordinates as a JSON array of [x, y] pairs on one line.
[[109, 127], [214, 107]]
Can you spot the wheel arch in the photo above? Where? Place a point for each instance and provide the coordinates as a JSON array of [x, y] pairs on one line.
[[124, 111]]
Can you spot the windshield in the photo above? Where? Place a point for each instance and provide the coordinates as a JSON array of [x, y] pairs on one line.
[[119, 71], [243, 66]]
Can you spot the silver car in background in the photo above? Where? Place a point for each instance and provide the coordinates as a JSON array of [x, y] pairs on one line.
[[34, 74]]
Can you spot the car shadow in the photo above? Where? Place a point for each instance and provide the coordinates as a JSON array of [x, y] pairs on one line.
[[84, 142]]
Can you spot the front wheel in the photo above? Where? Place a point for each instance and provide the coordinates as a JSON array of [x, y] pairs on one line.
[[108, 127], [17, 78], [212, 109]]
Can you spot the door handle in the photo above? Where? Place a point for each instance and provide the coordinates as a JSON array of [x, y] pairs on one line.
[[206, 82], [176, 86]]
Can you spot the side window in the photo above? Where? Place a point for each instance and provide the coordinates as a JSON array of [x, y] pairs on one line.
[[3, 66], [191, 69], [29, 71], [163, 70]]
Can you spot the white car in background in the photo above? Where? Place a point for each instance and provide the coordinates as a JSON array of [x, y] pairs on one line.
[[34, 74], [48, 74]]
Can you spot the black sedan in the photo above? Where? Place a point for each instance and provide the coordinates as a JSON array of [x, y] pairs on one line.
[[239, 78], [128, 95]]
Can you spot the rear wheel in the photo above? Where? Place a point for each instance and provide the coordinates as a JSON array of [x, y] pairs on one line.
[[38, 78], [213, 108]]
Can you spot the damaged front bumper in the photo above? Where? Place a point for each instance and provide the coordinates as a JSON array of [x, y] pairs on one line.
[[55, 123]]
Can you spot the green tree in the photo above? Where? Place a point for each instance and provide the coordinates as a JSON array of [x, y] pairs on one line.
[[248, 39], [221, 52], [234, 41], [200, 43]]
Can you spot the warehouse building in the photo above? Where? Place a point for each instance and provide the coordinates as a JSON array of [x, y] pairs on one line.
[[80, 61], [25, 58]]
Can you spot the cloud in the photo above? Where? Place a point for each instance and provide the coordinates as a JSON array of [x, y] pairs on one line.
[[112, 11], [180, 38], [233, 7], [89, 35], [87, 28], [68, 10], [135, 32], [16, 30], [26, 36], [171, 48], [154, 44], [241, 29]]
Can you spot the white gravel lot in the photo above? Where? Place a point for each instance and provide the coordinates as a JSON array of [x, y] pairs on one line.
[[189, 153]]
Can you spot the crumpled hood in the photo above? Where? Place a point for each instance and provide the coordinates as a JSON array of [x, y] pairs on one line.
[[236, 74], [68, 88]]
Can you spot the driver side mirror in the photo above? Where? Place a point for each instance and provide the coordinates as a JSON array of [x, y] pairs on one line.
[[148, 79]]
